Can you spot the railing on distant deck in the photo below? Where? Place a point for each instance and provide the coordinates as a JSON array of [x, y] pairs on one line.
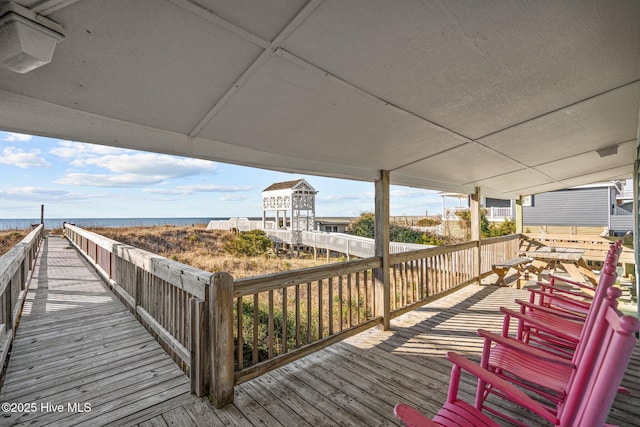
[[252, 325], [16, 270], [595, 247], [347, 244]]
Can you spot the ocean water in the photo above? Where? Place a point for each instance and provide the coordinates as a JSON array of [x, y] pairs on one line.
[[53, 223]]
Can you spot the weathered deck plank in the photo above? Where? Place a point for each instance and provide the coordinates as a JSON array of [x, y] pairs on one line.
[[77, 343]]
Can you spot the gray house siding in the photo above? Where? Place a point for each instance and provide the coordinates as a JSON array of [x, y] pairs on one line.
[[622, 219], [587, 207], [497, 203]]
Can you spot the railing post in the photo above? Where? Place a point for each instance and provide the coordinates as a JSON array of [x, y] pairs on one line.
[[200, 345], [221, 332], [476, 200]]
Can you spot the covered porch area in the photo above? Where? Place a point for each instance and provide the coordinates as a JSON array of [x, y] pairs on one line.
[[491, 99]]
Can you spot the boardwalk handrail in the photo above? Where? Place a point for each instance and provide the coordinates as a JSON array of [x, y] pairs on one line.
[[16, 270], [183, 307]]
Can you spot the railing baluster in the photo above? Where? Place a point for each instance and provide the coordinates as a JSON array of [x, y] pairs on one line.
[[240, 341], [330, 305], [284, 321], [297, 316], [320, 313], [270, 349], [255, 329], [349, 299], [309, 312]]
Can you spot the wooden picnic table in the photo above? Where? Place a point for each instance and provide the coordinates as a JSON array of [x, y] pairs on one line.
[[569, 258], [502, 268]]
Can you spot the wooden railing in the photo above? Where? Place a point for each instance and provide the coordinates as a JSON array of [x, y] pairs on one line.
[[16, 270], [498, 249], [284, 316], [225, 331], [420, 275], [175, 302]]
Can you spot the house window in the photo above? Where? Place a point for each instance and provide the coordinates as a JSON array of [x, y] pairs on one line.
[[527, 200]]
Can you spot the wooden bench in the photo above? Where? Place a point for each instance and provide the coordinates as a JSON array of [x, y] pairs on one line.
[[502, 268]]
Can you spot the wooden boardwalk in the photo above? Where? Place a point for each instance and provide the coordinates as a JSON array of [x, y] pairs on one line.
[[80, 357], [77, 344]]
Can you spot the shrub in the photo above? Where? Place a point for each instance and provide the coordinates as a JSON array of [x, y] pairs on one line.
[[428, 222], [249, 243], [364, 226]]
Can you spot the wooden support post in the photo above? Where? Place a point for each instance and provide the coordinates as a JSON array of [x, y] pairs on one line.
[[519, 216], [476, 199], [381, 244], [636, 219], [221, 331]]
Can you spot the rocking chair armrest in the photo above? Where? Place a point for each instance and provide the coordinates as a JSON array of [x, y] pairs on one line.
[[551, 290], [571, 282], [411, 417], [537, 324], [519, 346], [571, 307], [514, 394], [577, 317]]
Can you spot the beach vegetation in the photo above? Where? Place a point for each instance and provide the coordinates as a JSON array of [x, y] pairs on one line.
[[364, 226], [248, 243], [10, 238], [487, 228], [204, 249]]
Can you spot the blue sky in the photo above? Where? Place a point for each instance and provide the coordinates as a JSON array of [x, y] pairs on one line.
[[79, 180]]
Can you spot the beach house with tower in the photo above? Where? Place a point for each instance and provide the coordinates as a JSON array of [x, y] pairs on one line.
[[291, 205]]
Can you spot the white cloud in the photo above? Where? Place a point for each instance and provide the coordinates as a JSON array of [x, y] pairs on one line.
[[23, 159], [75, 150], [232, 198], [412, 192], [102, 180], [164, 191], [149, 164], [44, 194], [354, 198], [199, 188], [12, 137], [128, 168]]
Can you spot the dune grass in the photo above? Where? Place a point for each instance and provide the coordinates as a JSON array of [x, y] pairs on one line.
[[203, 249], [9, 238]]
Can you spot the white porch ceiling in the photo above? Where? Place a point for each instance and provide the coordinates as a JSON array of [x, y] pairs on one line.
[[511, 96]]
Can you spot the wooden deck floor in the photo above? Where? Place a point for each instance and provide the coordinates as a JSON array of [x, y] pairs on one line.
[[77, 343]]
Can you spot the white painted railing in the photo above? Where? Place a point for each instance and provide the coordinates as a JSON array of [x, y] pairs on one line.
[[338, 242]]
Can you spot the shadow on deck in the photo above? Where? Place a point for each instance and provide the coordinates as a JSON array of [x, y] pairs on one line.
[[77, 344]]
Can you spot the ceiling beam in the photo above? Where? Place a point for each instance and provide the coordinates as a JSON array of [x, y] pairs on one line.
[[209, 15]]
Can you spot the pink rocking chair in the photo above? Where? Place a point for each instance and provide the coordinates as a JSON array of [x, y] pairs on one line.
[[589, 394]]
